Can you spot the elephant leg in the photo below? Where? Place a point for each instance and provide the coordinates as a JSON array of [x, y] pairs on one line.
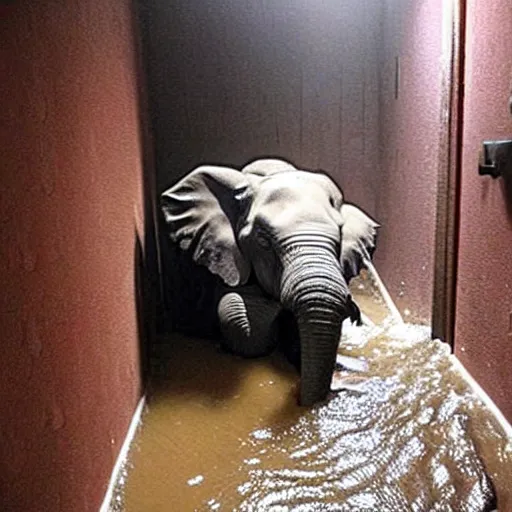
[[248, 322]]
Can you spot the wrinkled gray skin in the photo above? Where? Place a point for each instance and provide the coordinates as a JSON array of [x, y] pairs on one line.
[[303, 243]]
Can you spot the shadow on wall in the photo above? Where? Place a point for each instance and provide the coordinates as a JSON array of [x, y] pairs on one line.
[[186, 286], [229, 81], [506, 188]]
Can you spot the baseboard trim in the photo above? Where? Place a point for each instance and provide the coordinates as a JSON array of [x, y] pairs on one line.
[[123, 453], [486, 399], [381, 287]]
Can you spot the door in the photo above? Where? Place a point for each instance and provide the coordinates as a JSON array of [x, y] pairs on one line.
[[483, 326]]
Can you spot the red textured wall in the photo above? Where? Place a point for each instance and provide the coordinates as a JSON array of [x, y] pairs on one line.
[[483, 338], [71, 212], [410, 138], [230, 81]]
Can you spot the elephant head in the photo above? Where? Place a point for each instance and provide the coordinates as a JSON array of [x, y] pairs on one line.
[[293, 230]]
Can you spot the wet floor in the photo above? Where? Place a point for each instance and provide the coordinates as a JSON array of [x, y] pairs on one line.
[[403, 432]]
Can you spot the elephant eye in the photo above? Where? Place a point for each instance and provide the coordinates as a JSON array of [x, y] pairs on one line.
[[262, 237], [335, 203]]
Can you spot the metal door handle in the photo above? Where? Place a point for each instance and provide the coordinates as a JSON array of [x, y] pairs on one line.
[[497, 159]]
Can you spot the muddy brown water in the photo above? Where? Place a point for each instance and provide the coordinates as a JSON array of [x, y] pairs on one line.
[[405, 432]]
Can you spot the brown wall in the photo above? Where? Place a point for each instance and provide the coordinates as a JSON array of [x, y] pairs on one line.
[[233, 80], [410, 137], [483, 334], [71, 228]]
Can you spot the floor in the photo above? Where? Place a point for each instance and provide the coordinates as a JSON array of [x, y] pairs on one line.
[[403, 431]]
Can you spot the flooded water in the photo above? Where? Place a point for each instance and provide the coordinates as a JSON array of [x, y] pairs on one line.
[[404, 431]]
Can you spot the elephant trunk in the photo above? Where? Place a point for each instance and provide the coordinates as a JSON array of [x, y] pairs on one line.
[[314, 289]]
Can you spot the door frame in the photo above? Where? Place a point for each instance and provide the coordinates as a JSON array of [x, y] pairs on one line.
[[449, 174]]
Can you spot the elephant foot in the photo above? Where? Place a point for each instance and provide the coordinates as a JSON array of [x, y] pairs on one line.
[[248, 323]]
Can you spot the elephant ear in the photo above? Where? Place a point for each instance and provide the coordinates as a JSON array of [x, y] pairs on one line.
[[358, 240], [201, 211], [268, 166]]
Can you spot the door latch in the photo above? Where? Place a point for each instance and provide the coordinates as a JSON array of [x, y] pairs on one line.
[[496, 159]]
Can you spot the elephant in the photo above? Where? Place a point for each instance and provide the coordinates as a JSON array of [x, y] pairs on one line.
[[273, 247]]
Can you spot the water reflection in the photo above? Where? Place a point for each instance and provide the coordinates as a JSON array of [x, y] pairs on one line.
[[399, 441], [403, 432]]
